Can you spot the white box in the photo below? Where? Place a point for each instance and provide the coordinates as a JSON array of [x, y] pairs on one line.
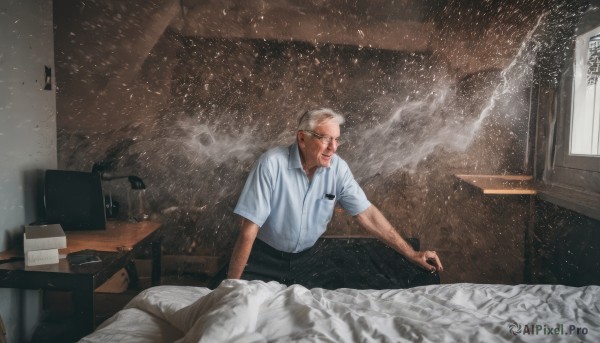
[[44, 237], [41, 257]]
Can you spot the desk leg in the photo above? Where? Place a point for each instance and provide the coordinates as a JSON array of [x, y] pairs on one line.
[[156, 261], [83, 304]]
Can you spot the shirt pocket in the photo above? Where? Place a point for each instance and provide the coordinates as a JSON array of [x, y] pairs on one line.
[[324, 210]]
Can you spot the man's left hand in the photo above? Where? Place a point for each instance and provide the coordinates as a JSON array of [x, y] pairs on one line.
[[428, 260]]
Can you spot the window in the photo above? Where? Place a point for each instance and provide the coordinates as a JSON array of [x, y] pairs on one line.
[[570, 124], [577, 157], [585, 117]]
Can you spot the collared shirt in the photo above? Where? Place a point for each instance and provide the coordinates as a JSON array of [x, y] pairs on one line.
[[291, 211]]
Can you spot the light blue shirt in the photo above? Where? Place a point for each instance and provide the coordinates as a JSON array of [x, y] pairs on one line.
[[291, 211]]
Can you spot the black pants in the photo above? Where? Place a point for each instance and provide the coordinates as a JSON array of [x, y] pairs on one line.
[[269, 264], [359, 263]]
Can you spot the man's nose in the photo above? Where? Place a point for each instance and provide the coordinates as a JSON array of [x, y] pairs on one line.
[[333, 145]]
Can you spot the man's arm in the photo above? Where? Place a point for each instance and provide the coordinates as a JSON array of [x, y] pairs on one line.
[[374, 222], [242, 248]]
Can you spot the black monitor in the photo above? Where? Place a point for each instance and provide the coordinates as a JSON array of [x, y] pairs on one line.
[[74, 200]]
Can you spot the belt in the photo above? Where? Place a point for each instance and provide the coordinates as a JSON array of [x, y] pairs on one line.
[[269, 250]]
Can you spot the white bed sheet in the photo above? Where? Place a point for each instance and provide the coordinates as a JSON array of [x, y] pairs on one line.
[[255, 311]]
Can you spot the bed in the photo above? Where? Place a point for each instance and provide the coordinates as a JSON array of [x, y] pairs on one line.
[[257, 311]]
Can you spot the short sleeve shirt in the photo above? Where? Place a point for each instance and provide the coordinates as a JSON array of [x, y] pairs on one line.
[[291, 211]]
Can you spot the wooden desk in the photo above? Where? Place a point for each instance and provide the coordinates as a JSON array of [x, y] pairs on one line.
[[116, 246], [118, 236]]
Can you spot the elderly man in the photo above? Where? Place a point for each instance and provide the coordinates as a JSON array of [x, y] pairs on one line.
[[288, 200]]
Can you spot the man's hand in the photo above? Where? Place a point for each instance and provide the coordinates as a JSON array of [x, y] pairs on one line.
[[374, 222], [427, 260]]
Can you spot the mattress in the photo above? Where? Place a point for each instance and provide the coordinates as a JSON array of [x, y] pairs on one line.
[[256, 311]]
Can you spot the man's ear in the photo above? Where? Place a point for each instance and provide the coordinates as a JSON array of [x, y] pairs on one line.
[[300, 136]]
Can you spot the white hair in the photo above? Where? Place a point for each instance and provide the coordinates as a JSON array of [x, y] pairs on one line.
[[313, 118]]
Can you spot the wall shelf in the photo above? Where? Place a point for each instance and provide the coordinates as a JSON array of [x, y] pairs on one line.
[[500, 184]]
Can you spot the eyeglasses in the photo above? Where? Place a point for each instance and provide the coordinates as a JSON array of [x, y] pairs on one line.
[[324, 139]]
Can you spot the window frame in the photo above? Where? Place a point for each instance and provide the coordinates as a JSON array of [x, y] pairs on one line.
[[570, 181], [578, 171], [580, 90]]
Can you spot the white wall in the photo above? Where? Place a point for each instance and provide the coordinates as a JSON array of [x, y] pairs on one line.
[[27, 137]]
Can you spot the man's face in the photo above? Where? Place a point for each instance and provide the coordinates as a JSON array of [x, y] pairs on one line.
[[314, 151]]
